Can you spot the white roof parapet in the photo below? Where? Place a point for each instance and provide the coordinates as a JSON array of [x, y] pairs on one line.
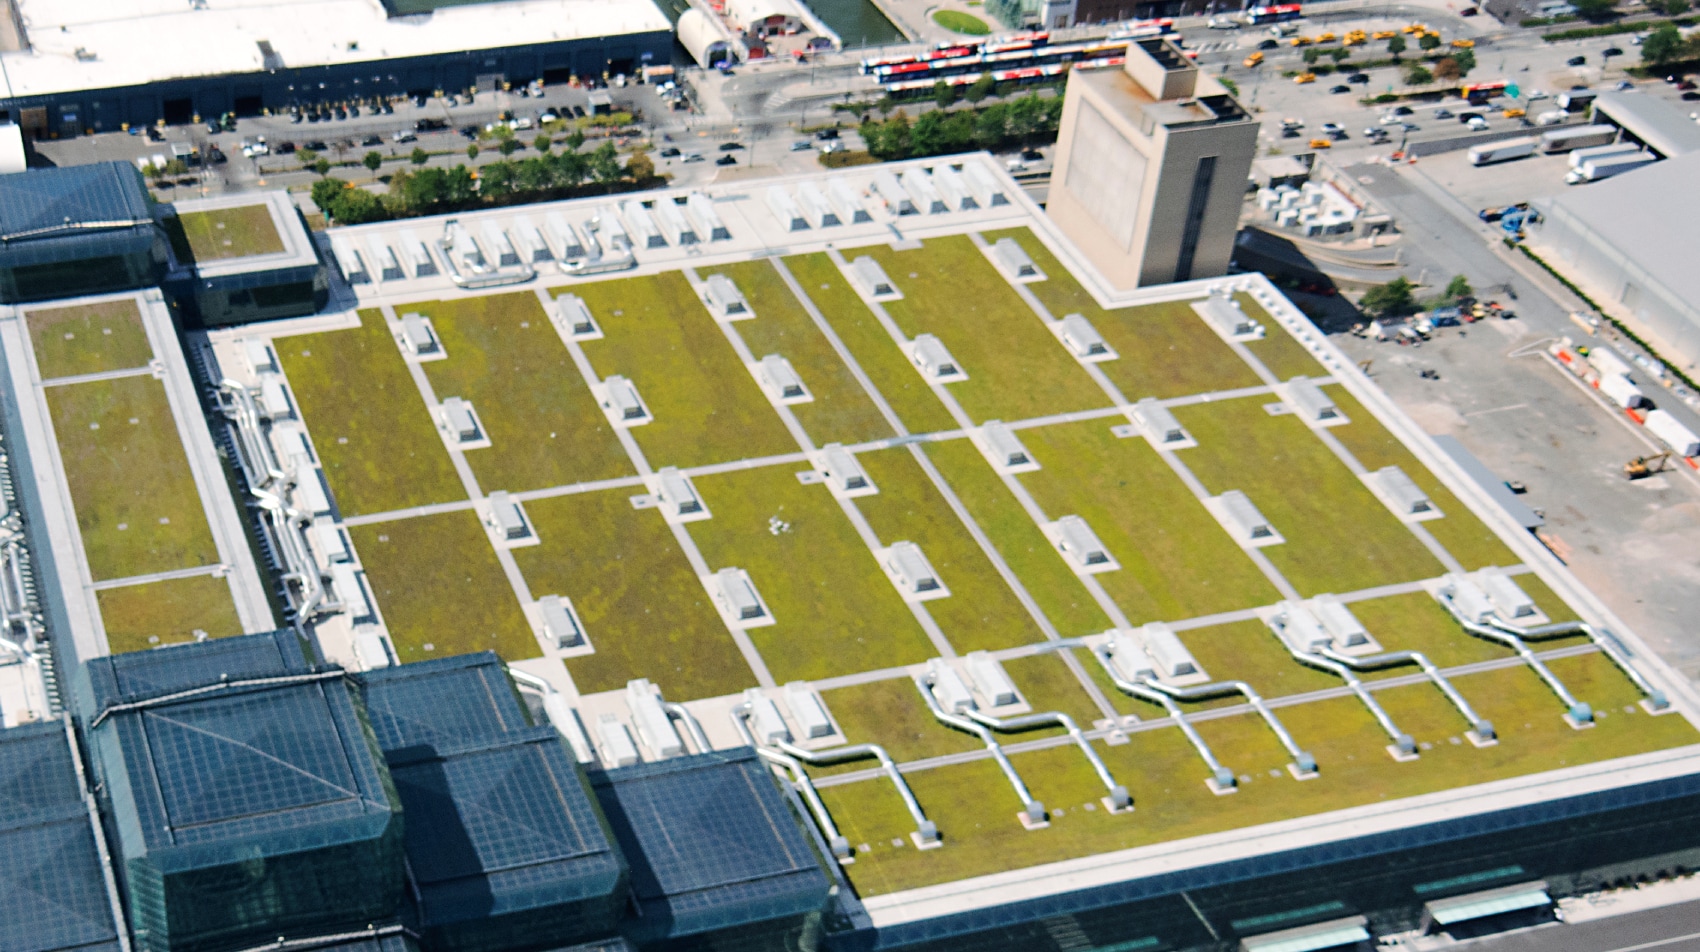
[[642, 225], [1080, 543], [1300, 629], [911, 569], [926, 196], [1313, 405], [808, 710], [1248, 524], [459, 420], [948, 689], [1005, 448], [1343, 626], [560, 622], [1407, 498], [702, 209], [573, 316], [820, 212], [654, 727], [929, 354], [891, 191], [507, 517], [843, 471], [770, 727], [1127, 654], [678, 492], [1227, 317], [617, 747], [724, 298], [873, 279], [1671, 431], [537, 249], [988, 191], [417, 335], [1159, 423], [954, 190], [1015, 262], [850, 207], [567, 239], [990, 679], [785, 208], [1509, 600], [1082, 339], [418, 254], [623, 400], [673, 220], [782, 380], [1174, 661]]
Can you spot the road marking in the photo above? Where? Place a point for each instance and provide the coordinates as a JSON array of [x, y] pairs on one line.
[[1514, 406], [1655, 943]]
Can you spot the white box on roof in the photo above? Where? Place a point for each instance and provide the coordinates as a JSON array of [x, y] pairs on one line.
[[531, 237], [418, 255], [291, 446], [955, 191], [1301, 629], [385, 261], [819, 211], [929, 354], [679, 495], [331, 542], [1242, 519], [1343, 626], [768, 723], [1402, 494], [843, 472], [1313, 405], [258, 357], [1160, 425], [873, 279], [621, 399], [891, 191], [909, 567], [808, 710], [850, 207], [1083, 340], [459, 420], [617, 747], [948, 689], [673, 220], [353, 267], [738, 595], [786, 209], [702, 209], [351, 592], [310, 493], [1004, 449], [1509, 600], [274, 400], [1174, 662], [567, 240], [1127, 655], [418, 336], [499, 245], [781, 381], [654, 727], [991, 680], [1468, 598], [1080, 544], [507, 517], [988, 191], [573, 316], [1671, 431], [1013, 259], [370, 649], [560, 622], [724, 299], [642, 225], [1227, 317], [921, 190]]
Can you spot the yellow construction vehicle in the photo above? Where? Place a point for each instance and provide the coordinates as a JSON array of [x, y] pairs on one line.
[[1643, 466], [1252, 60]]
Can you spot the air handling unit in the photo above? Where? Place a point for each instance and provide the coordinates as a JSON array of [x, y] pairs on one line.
[[620, 398], [1401, 494], [779, 380], [418, 336], [1083, 340], [573, 316], [1230, 320], [1234, 509], [739, 602], [929, 354], [844, 473], [678, 496], [816, 208], [921, 190], [560, 622], [913, 574], [702, 209], [673, 220], [1160, 425], [849, 205], [1313, 406], [786, 209], [1003, 449], [873, 281], [1080, 546], [1013, 261], [654, 727], [459, 422], [724, 299]]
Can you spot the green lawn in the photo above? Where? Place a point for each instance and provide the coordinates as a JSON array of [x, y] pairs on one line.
[[1164, 350], [139, 617], [893, 715], [1047, 684], [1050, 581], [88, 338], [374, 435], [1339, 537], [1279, 351], [874, 350], [841, 411], [981, 612], [706, 407], [1416, 622], [544, 426], [964, 23], [974, 807], [834, 610], [456, 605], [1249, 651], [1469, 539], [1176, 562], [226, 233], [642, 607], [137, 506], [1016, 368]]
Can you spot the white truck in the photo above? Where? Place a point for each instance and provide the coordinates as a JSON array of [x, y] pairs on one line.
[[1605, 167], [1578, 137], [1502, 151]]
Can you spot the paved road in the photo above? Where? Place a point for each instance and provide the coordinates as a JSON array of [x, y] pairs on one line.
[[1667, 929]]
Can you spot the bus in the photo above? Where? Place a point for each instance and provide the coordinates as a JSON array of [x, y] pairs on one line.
[[1257, 16]]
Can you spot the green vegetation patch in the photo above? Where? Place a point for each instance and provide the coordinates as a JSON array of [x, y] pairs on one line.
[[981, 612], [1047, 684], [1016, 368], [139, 617], [706, 407], [1163, 350], [965, 23], [88, 338], [641, 604], [1053, 585], [239, 232], [372, 431], [893, 715], [1416, 622], [1176, 562], [841, 411], [440, 588], [1339, 537], [544, 426], [834, 610], [1278, 350], [873, 349], [1249, 651], [1459, 532], [137, 506]]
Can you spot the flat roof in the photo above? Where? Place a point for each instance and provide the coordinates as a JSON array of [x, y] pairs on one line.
[[237, 234], [101, 44], [1659, 123], [834, 619]]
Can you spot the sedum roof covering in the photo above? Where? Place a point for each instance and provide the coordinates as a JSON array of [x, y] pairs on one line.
[[713, 844], [56, 896]]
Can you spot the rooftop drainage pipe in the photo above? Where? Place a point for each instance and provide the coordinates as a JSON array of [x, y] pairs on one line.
[[1404, 745], [1033, 812], [1655, 698], [1482, 726], [555, 708], [677, 712], [1220, 776], [836, 841], [1119, 798], [1578, 712]]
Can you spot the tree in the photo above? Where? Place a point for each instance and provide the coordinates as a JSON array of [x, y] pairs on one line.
[[1232, 87], [1458, 287], [1662, 45], [1311, 55], [508, 146], [325, 193], [991, 126], [373, 161], [1418, 76], [640, 168], [944, 94], [605, 164], [176, 167], [323, 166], [1428, 41], [1595, 9], [575, 140], [542, 142], [356, 205], [1396, 45], [1447, 69], [306, 157], [1466, 60], [986, 85], [1385, 299], [1340, 54], [472, 151], [1675, 8], [419, 156]]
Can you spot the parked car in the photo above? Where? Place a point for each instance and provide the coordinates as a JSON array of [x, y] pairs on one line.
[[1611, 51], [1576, 61], [1268, 45], [1340, 90], [404, 136], [827, 135], [372, 140], [669, 153], [802, 145], [1358, 78], [726, 160], [731, 146]]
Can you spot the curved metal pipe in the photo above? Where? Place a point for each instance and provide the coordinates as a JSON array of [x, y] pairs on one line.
[[1655, 698], [1221, 776], [836, 841], [676, 711], [1303, 760], [1406, 745], [1119, 798], [1034, 810], [1577, 711], [555, 708], [926, 830], [1482, 726]]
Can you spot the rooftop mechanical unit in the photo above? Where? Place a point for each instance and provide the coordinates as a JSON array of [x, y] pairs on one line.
[[678, 493], [535, 248], [274, 399], [988, 191], [1244, 516], [914, 573], [623, 399], [1080, 543], [991, 681], [331, 542], [348, 260], [930, 355], [948, 689], [1312, 404], [769, 724], [740, 595], [724, 298], [501, 246], [1128, 657], [574, 315], [567, 240], [850, 207], [506, 516], [674, 221], [1168, 652], [872, 278], [1159, 423], [1081, 337], [617, 747], [782, 378], [385, 260], [258, 357], [842, 469], [820, 212], [345, 582], [418, 254], [808, 710], [417, 335], [1406, 496], [654, 727], [702, 209], [1468, 598], [642, 225], [890, 191], [560, 625], [954, 190], [1015, 261], [1342, 625], [786, 209], [1509, 600], [1006, 448], [1226, 315], [921, 190], [1301, 629], [459, 420], [310, 493]]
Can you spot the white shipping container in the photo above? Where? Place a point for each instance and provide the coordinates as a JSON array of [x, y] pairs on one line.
[[1672, 432], [1622, 391]]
